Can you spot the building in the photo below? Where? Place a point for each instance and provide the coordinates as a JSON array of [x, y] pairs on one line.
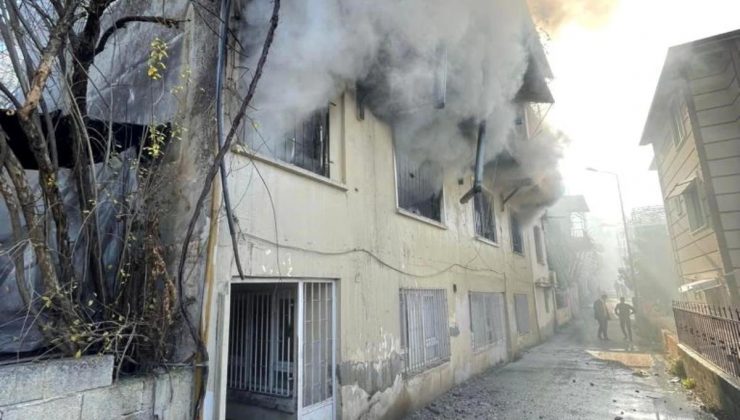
[[370, 288], [693, 128]]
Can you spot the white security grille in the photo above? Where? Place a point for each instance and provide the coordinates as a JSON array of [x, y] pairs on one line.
[[521, 306], [425, 336], [486, 318], [261, 341], [317, 343]]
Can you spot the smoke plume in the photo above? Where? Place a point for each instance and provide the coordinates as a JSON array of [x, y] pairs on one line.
[[398, 53], [552, 14]]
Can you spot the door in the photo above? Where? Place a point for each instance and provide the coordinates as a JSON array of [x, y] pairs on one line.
[[316, 350]]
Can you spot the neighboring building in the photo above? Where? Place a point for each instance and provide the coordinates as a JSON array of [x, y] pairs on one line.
[[693, 128]]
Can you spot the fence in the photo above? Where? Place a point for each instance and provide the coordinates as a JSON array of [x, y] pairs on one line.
[[712, 331]]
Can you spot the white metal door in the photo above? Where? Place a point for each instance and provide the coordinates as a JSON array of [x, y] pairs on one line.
[[316, 350]]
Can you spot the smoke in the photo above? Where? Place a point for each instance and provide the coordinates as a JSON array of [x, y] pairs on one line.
[[398, 53], [552, 14]]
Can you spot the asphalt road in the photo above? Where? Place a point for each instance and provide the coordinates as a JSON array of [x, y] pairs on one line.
[[572, 376]]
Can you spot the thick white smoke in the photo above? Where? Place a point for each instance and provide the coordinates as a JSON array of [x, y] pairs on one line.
[[395, 50]]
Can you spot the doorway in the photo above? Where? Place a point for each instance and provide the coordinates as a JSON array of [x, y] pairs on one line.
[[281, 350]]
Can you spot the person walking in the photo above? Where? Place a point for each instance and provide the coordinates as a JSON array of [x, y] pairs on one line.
[[601, 313], [624, 311]]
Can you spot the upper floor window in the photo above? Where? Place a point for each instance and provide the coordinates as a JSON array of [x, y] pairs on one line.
[[517, 240], [538, 249], [419, 186], [694, 207], [305, 144], [678, 129], [484, 217]]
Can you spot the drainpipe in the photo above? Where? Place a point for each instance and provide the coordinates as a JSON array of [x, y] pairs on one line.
[[479, 163]]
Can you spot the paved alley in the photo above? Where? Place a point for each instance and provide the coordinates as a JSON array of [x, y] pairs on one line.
[[572, 376]]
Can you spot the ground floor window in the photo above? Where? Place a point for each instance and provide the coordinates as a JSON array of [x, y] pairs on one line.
[[521, 306], [486, 318], [425, 338]]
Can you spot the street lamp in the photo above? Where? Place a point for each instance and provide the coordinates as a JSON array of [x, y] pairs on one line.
[[624, 224]]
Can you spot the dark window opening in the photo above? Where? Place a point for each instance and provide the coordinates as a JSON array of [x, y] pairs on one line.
[[484, 216], [306, 145], [419, 187], [517, 242]]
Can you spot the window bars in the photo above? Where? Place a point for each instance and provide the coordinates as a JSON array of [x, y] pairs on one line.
[[425, 338], [486, 318], [712, 331], [419, 187], [517, 241], [484, 217], [317, 343], [521, 307]]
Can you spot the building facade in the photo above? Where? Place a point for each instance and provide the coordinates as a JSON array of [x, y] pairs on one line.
[[693, 128]]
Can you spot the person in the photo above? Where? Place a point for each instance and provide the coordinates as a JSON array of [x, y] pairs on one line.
[[623, 311], [601, 313]]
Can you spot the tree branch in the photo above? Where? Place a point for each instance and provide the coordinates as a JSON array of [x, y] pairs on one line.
[[121, 23]]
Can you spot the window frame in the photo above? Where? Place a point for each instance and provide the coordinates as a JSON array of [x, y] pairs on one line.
[[695, 211], [478, 218], [495, 331], [441, 338], [539, 248], [516, 233], [409, 213], [517, 308], [677, 123]]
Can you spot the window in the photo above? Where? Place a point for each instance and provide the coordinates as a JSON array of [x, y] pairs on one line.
[[484, 217], [547, 293], [425, 338], [521, 306], [538, 250], [306, 145], [678, 130], [419, 187], [577, 225], [486, 318], [694, 207], [517, 242]]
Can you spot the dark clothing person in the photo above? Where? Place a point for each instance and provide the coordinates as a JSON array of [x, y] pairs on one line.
[[623, 311], [602, 317]]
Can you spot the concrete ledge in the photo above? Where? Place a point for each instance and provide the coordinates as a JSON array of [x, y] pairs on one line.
[[719, 391], [53, 378]]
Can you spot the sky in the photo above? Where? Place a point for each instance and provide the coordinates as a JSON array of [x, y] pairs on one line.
[[606, 67]]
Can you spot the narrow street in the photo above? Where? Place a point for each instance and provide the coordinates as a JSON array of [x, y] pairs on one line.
[[572, 376]]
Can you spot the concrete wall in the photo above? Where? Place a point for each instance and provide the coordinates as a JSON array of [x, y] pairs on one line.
[[717, 390], [348, 228], [84, 389]]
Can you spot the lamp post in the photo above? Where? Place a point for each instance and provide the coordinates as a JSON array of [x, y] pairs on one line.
[[624, 224]]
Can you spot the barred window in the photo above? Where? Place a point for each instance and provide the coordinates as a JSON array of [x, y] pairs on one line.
[[517, 242], [425, 337], [486, 318], [419, 186], [521, 306], [484, 216], [538, 249], [305, 145]]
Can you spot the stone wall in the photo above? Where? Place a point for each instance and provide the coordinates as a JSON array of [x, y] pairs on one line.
[[84, 389]]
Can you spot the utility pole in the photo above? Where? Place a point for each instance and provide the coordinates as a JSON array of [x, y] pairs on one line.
[[626, 229]]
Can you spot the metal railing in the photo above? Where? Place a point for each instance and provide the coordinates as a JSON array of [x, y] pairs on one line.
[[712, 331]]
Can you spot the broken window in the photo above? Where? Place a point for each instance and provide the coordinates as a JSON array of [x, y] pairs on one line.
[[521, 306], [486, 318], [425, 338], [419, 186], [305, 145], [517, 241], [538, 250], [484, 217]]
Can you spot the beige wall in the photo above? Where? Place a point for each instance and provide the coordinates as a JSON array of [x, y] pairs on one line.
[[349, 229]]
